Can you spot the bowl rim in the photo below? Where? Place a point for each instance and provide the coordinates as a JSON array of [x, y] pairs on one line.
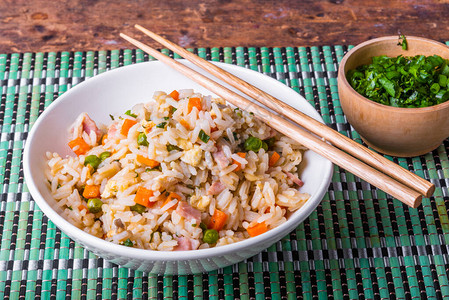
[[87, 240], [342, 80]]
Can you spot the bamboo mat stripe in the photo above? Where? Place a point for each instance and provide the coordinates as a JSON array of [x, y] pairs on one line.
[[358, 244]]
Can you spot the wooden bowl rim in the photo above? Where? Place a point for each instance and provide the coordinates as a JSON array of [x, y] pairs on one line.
[[412, 110]]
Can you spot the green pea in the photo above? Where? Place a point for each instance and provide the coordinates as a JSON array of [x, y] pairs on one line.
[[210, 236], [105, 155], [128, 243], [138, 208], [142, 139], [92, 160], [94, 205], [253, 144]]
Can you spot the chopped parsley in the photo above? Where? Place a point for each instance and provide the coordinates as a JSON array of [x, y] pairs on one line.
[[129, 113], [203, 136], [128, 243], [171, 147], [418, 81]]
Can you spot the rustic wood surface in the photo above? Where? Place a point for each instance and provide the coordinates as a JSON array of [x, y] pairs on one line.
[[95, 24]]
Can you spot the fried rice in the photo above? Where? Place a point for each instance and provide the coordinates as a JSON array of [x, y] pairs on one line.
[[171, 173]]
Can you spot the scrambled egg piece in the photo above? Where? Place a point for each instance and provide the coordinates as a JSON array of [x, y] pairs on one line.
[[117, 185], [193, 156], [185, 144], [147, 125], [200, 202]]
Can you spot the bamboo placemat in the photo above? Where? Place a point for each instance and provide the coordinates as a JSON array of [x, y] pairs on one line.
[[359, 243]]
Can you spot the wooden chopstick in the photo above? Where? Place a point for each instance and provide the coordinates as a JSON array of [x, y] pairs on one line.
[[363, 171], [363, 153]]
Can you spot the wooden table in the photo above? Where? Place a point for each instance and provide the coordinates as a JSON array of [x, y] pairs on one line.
[[94, 25]]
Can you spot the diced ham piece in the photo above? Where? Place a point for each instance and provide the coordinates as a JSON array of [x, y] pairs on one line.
[[89, 125], [185, 244], [185, 210], [221, 159], [216, 188], [86, 124], [113, 130], [295, 179]]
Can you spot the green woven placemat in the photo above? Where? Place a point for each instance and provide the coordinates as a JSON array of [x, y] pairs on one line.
[[359, 243]]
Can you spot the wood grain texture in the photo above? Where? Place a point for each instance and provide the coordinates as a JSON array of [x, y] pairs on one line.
[[94, 25]]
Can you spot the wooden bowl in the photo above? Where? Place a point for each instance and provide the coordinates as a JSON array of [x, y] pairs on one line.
[[395, 131]]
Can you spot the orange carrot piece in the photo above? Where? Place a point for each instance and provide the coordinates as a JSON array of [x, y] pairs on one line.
[[185, 124], [146, 161], [127, 124], [257, 229], [170, 197], [194, 102], [83, 146], [239, 165], [174, 95], [91, 191], [143, 197], [103, 139], [82, 206], [274, 159], [218, 220]]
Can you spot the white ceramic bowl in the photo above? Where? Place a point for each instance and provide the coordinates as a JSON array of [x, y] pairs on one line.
[[118, 90]]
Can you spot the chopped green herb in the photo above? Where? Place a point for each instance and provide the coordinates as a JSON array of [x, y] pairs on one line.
[[403, 43], [94, 205], [194, 225], [69, 208], [166, 118], [129, 113], [105, 155], [238, 112], [203, 226], [158, 168], [138, 208], [142, 139], [92, 160], [203, 136], [171, 147], [190, 186], [161, 125], [112, 117], [270, 142], [418, 81], [128, 243], [210, 236], [173, 109]]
